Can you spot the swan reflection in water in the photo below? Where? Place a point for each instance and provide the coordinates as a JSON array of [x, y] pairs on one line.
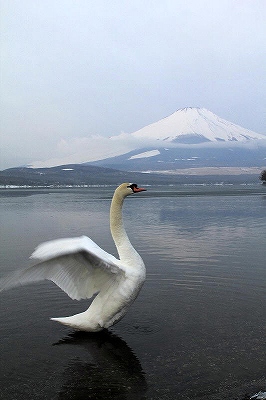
[[114, 373]]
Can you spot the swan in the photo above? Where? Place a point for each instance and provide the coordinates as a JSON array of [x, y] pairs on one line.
[[82, 269]]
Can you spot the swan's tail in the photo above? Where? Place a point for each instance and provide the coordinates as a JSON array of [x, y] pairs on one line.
[[62, 320], [80, 322]]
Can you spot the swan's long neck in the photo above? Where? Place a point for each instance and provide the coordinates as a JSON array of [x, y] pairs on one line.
[[125, 249]]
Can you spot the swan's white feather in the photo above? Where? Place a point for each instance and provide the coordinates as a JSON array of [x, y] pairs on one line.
[[78, 266], [59, 247]]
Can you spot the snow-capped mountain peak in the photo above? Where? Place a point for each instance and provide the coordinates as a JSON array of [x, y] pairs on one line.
[[195, 125]]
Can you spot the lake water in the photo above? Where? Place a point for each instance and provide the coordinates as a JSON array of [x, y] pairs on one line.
[[197, 329]]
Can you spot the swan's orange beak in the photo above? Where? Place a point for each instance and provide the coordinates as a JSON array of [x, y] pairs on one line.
[[136, 189]]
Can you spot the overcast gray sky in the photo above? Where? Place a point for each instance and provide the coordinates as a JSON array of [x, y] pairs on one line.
[[75, 68]]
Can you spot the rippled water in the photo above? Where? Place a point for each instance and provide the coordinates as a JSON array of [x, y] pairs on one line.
[[197, 329]]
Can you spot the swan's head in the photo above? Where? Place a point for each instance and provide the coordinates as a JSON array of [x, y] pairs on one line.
[[125, 189]]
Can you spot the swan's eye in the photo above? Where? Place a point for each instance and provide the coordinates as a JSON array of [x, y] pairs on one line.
[[133, 186]]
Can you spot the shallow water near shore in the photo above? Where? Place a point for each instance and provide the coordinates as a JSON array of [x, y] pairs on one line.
[[196, 331]]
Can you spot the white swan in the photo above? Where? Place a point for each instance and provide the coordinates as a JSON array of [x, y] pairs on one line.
[[81, 269]]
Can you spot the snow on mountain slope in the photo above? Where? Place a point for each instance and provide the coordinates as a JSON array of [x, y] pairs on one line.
[[145, 154], [195, 125]]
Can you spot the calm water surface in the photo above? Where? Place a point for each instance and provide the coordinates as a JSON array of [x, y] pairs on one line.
[[197, 329]]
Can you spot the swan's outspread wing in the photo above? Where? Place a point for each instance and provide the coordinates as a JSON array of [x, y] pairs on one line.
[[78, 266]]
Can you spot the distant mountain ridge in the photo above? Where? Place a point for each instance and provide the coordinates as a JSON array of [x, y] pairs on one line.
[[77, 175], [72, 174]]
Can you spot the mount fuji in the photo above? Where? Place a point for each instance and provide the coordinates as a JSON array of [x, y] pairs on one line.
[[189, 138], [193, 126]]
